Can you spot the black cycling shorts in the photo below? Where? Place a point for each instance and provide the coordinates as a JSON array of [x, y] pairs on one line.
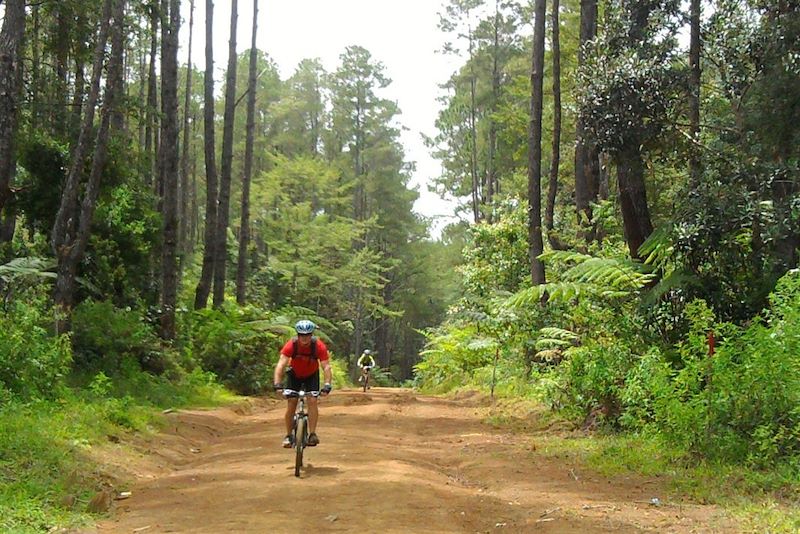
[[307, 384]]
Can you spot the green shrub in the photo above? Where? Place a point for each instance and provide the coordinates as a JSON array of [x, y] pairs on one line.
[[742, 404], [226, 342], [105, 336], [594, 379], [33, 362], [450, 358]]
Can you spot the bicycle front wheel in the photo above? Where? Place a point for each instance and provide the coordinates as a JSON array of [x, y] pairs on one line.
[[299, 444], [366, 381]]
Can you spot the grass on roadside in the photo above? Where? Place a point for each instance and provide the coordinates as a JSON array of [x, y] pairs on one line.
[[46, 473], [763, 501]]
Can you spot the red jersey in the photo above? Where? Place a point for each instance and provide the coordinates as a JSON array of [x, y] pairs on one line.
[[303, 364]]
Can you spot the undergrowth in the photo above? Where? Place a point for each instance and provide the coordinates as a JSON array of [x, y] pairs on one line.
[[47, 471]]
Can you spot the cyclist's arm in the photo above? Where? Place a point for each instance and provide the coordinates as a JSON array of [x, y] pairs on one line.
[[326, 371], [280, 368]]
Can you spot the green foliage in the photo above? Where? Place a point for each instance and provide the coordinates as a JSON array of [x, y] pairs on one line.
[[46, 448], [104, 337], [743, 404], [496, 257], [450, 358], [33, 362], [585, 276], [43, 162], [238, 345], [629, 84], [126, 233], [27, 268]]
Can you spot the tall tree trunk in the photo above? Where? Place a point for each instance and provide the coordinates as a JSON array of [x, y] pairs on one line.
[[244, 233], [586, 162], [473, 132], [73, 220], [695, 169], [151, 126], [633, 199], [142, 102], [207, 272], [549, 213], [194, 236], [491, 170], [221, 258], [78, 96], [59, 102], [36, 62], [183, 187], [168, 163], [11, 39], [535, 242]]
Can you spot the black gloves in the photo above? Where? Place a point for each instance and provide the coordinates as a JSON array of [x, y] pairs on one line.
[[327, 389], [277, 387]]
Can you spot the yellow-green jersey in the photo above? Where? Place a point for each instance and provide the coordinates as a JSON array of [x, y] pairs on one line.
[[366, 360]]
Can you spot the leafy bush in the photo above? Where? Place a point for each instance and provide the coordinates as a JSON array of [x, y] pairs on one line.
[[450, 358], [104, 337], [227, 343], [594, 379], [748, 406], [33, 362]]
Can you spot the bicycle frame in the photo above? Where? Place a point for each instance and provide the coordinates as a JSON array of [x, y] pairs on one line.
[[365, 375], [299, 425]]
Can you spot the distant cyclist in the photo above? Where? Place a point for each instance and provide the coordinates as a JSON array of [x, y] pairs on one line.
[[303, 355], [365, 362]]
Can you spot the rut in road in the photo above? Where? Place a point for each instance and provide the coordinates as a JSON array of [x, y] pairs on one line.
[[390, 461]]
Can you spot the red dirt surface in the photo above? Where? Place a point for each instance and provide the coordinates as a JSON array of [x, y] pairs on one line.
[[390, 461]]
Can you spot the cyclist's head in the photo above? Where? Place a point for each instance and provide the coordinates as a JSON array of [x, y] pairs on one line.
[[304, 327], [367, 352]]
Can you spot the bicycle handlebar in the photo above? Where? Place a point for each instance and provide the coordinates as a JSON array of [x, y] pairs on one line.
[[291, 393]]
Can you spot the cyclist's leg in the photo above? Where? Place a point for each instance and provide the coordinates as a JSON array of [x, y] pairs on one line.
[[288, 417], [313, 414], [291, 383], [312, 384]]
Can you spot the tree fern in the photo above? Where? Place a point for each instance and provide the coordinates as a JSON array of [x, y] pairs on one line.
[[585, 276]]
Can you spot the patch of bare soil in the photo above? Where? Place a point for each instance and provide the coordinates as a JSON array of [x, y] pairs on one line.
[[390, 461]]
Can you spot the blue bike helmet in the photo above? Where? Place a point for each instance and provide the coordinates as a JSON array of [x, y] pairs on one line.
[[304, 326]]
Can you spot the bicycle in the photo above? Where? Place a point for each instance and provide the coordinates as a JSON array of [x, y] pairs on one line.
[[299, 425], [365, 377]]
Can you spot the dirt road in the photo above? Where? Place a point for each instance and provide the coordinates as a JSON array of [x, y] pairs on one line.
[[390, 461]]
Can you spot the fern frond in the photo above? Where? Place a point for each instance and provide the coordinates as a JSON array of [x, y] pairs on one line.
[[559, 333], [19, 267], [564, 256], [553, 338], [673, 280], [610, 273], [658, 248]]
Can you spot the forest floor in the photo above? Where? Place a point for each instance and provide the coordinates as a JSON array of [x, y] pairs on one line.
[[389, 461]]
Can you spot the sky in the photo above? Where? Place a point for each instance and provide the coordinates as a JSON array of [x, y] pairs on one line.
[[403, 35]]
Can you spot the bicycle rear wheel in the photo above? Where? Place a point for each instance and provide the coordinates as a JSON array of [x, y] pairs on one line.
[[299, 444]]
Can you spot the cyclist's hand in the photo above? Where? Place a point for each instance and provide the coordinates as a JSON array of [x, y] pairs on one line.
[[277, 387], [327, 389]]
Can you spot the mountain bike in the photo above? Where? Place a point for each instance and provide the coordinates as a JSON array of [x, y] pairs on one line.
[[365, 377], [299, 425]]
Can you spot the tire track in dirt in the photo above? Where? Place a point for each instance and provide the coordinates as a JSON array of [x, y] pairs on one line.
[[390, 461]]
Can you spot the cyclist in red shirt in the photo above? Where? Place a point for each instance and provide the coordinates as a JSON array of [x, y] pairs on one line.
[[303, 355]]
